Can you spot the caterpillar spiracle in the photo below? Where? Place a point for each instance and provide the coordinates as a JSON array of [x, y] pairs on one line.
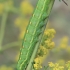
[[33, 31]]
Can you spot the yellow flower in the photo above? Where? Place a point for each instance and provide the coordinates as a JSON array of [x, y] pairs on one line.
[[61, 62], [26, 7], [55, 66], [64, 42], [38, 62], [61, 67], [50, 33], [68, 68], [49, 44], [63, 46], [58, 68], [3, 67], [51, 64], [52, 44], [65, 39], [42, 51], [37, 66], [47, 33], [1, 8], [68, 64]]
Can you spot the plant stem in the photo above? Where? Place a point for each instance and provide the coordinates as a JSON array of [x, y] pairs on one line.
[[29, 67], [32, 58], [46, 68], [7, 46], [3, 24]]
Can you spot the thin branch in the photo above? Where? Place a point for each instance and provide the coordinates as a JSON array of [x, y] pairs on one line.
[[2, 30], [10, 45]]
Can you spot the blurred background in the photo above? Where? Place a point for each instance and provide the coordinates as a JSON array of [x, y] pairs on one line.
[[14, 17]]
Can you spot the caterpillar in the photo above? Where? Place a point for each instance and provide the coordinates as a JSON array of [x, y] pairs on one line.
[[35, 27]]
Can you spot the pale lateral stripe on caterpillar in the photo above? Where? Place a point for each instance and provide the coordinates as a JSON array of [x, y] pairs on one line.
[[33, 31]]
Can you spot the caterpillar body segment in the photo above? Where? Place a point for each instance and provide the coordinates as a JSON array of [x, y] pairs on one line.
[[34, 29]]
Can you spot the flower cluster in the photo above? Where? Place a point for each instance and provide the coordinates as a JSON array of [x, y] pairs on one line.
[[68, 65], [55, 66], [43, 49], [1, 8], [26, 8]]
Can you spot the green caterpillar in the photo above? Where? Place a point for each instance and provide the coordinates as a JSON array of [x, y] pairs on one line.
[[33, 31]]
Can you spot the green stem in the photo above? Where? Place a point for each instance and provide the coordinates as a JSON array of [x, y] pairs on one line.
[[32, 58], [46, 68], [3, 24], [7, 46], [29, 67]]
